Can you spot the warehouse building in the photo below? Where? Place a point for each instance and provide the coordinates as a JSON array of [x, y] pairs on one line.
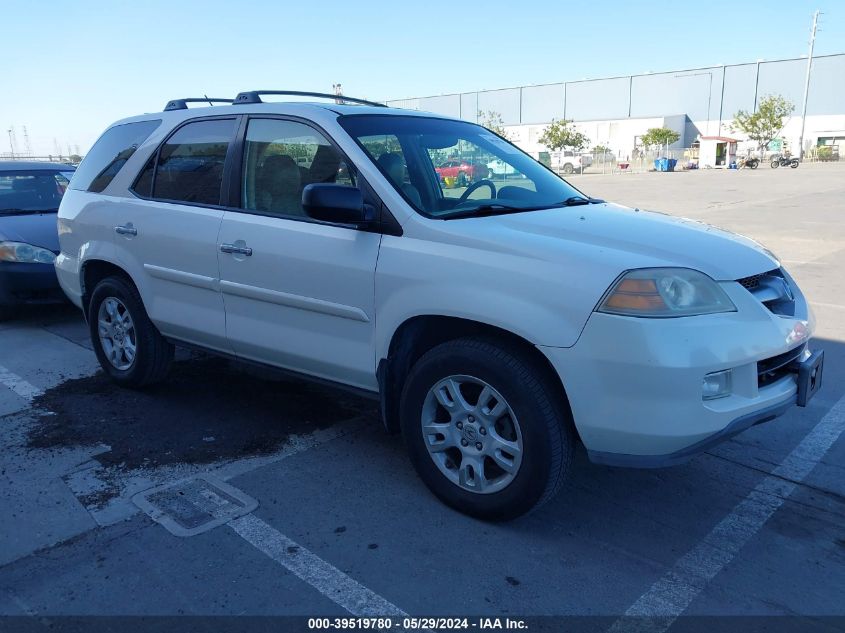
[[616, 111]]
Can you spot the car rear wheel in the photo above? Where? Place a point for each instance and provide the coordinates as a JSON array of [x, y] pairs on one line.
[[485, 429], [129, 347], [568, 168]]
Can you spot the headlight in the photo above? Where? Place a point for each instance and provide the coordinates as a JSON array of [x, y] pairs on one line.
[[25, 253], [665, 292]]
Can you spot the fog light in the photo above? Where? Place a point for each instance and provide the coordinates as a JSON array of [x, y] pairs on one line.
[[716, 385]]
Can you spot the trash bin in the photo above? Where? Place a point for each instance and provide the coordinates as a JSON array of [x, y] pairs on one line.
[[665, 164]]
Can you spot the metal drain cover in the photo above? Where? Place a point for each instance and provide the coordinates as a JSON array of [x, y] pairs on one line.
[[195, 505]]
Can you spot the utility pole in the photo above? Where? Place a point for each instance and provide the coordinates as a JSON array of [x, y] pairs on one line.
[[11, 132], [807, 84], [26, 143]]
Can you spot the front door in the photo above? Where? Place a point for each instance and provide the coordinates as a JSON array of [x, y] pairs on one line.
[[299, 294]]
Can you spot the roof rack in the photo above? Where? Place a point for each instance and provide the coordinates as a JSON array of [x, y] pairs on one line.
[[182, 104], [253, 96]]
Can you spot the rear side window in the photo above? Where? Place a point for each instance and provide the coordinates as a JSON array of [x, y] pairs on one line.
[[110, 153], [189, 165]]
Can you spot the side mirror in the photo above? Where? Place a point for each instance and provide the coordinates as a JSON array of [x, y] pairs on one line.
[[334, 203]]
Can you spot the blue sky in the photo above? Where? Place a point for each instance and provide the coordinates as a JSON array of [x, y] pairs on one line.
[[73, 68]]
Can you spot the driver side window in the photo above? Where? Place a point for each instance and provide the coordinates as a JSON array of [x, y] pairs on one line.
[[283, 157]]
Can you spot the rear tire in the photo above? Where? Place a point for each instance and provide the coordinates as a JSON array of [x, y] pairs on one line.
[[119, 324], [531, 435], [794, 164], [568, 168], [775, 164]]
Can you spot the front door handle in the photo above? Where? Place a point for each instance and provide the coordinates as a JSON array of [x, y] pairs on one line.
[[236, 249], [126, 229]]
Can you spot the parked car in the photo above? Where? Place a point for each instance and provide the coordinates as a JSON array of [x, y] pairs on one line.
[[501, 169], [464, 172], [30, 193], [569, 162], [497, 329]]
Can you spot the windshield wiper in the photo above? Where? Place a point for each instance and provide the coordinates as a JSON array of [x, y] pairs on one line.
[[490, 209], [26, 211], [575, 201], [497, 208]]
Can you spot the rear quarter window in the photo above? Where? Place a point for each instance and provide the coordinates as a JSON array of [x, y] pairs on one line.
[[110, 153]]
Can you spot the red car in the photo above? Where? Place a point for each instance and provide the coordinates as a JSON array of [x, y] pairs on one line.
[[463, 171]]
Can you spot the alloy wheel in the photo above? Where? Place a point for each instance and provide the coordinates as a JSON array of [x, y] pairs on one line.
[[117, 333], [472, 434]]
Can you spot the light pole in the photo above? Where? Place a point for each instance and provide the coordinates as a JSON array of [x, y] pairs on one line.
[[807, 84]]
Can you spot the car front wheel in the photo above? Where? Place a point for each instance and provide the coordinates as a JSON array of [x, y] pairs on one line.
[[485, 429], [129, 347]]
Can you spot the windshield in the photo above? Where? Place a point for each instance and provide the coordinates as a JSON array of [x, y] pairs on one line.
[[450, 169], [32, 191]]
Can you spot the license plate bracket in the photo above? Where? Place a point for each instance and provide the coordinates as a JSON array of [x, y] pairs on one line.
[[809, 373]]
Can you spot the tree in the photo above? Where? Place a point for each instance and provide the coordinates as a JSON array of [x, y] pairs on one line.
[[766, 123], [493, 121], [560, 134], [659, 137]]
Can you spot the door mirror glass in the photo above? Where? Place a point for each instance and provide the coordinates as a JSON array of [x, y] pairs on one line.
[[334, 203]]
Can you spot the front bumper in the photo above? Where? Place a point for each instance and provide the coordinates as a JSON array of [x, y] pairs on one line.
[[635, 385], [28, 283]]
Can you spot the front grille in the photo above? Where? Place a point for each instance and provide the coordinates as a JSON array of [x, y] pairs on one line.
[[772, 289], [772, 369], [750, 282]]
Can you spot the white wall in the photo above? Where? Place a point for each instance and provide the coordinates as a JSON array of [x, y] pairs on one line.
[[619, 134], [816, 126]]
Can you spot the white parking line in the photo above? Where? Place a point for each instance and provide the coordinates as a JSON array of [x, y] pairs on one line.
[[827, 305], [670, 596], [324, 577], [24, 389]]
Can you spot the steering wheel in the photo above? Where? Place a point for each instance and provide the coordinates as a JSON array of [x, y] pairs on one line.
[[479, 183]]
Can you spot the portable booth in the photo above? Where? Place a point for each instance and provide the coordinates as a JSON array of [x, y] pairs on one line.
[[716, 151]]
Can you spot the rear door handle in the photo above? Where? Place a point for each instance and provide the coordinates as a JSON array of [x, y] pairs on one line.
[[126, 229], [239, 250]]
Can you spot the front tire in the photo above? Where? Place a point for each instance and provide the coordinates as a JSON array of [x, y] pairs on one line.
[[129, 347], [485, 428], [568, 169], [775, 164]]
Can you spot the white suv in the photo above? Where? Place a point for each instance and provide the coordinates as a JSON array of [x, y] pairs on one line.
[[499, 325]]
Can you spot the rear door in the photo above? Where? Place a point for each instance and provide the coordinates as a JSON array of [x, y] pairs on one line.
[[299, 293], [167, 236]]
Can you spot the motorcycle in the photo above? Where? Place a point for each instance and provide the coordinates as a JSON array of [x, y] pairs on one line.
[[783, 161], [750, 163]]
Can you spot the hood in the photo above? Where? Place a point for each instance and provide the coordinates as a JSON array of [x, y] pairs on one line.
[[38, 229], [631, 238]]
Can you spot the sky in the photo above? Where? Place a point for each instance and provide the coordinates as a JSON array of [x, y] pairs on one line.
[[71, 69]]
